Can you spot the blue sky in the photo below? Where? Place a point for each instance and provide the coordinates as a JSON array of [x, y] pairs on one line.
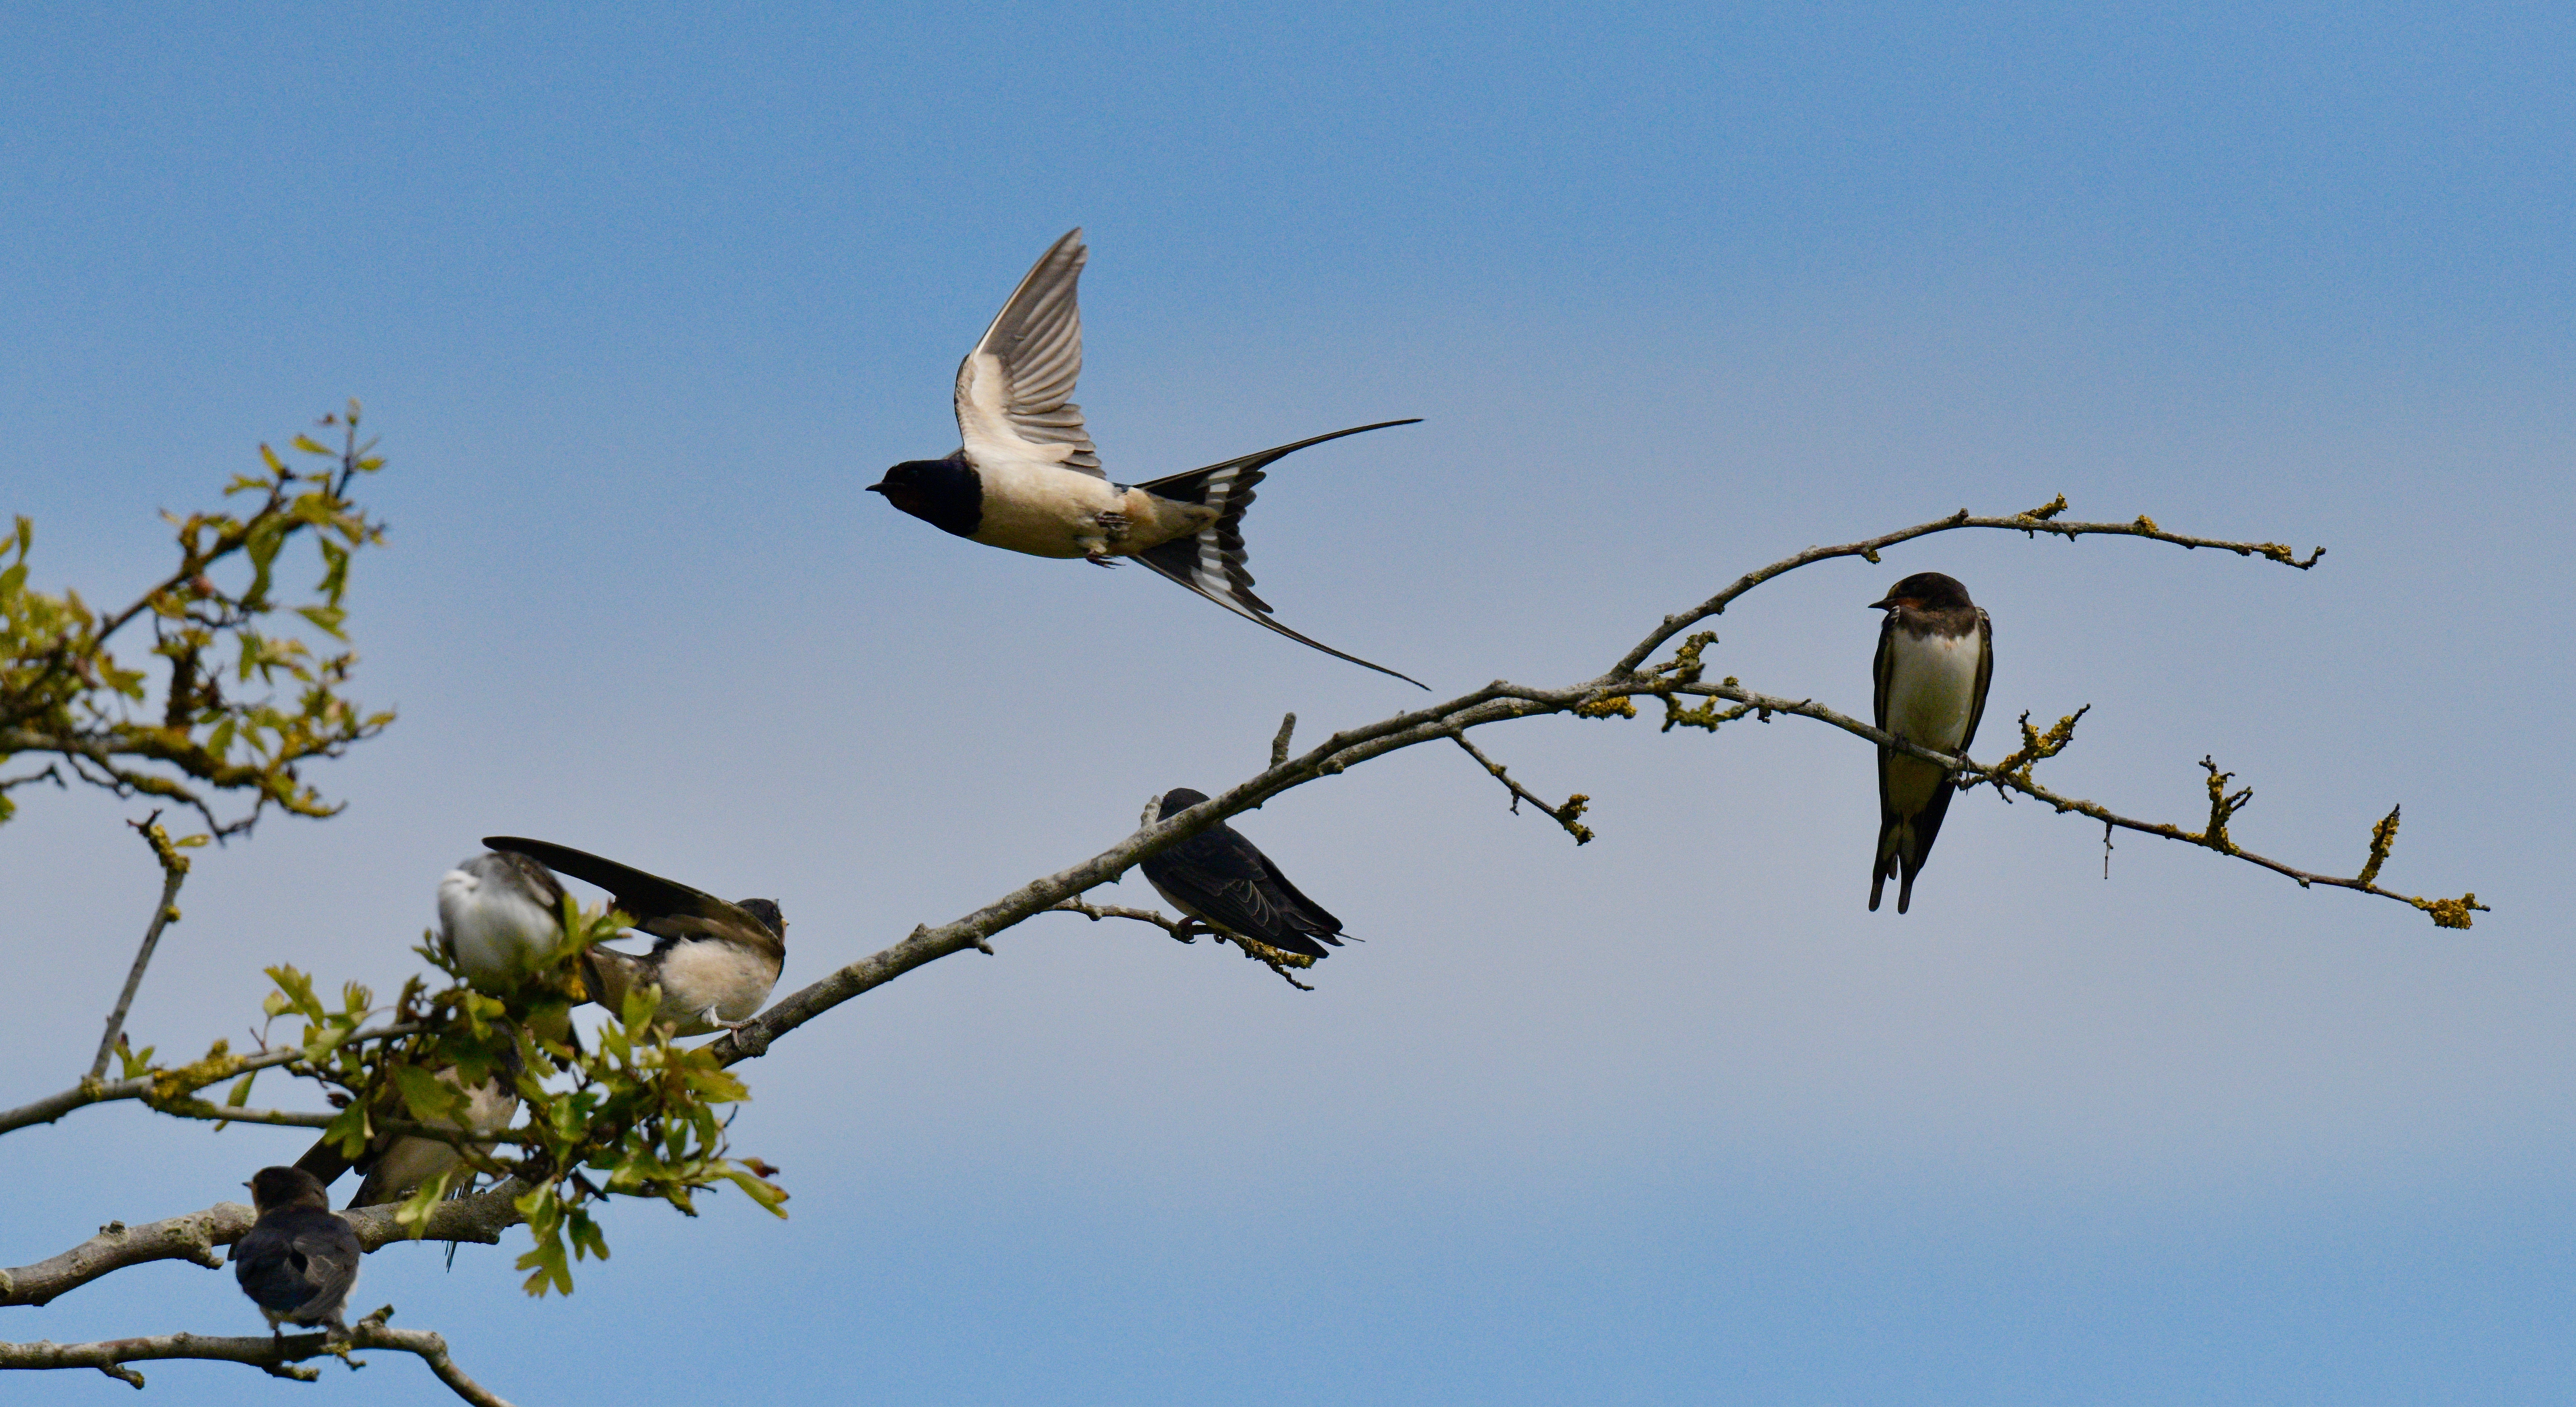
[[641, 299]]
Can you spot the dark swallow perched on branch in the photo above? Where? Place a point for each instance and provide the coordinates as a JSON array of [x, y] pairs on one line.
[[1936, 652], [714, 961], [1225, 882], [1025, 475], [298, 1262]]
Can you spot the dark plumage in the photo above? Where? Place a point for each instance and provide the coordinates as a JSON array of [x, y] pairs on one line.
[[298, 1262], [1223, 880], [714, 961], [1936, 654]]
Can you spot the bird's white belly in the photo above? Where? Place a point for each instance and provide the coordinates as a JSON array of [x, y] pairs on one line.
[[1933, 688], [707, 973], [1044, 510], [497, 933]]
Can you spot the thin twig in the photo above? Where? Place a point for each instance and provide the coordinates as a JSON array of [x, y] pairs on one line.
[[174, 872], [1188, 930], [2446, 913], [1563, 815], [2036, 521]]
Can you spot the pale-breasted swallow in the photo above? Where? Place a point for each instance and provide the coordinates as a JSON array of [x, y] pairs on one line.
[[1936, 652], [397, 1165], [714, 961], [1224, 881], [499, 915], [1025, 475], [298, 1261]]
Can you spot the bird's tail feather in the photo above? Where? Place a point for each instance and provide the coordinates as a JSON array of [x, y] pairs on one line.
[[1883, 865], [1211, 560]]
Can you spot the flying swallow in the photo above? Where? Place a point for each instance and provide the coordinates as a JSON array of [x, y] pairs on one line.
[[499, 915], [1025, 475], [1224, 881], [1936, 652], [298, 1262], [715, 962]]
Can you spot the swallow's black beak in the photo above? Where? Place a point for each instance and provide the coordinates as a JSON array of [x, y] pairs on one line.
[[876, 488], [1882, 605]]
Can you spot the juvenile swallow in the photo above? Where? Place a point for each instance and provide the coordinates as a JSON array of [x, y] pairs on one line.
[[298, 1262], [1936, 652], [499, 915], [1224, 881], [1025, 475], [715, 962], [397, 1165]]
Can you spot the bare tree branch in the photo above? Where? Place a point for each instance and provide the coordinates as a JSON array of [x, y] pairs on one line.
[[1494, 703], [174, 872], [2012, 774], [479, 1217], [483, 1216], [2034, 522], [277, 1355]]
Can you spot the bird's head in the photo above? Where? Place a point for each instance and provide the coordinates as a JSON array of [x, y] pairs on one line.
[[275, 1188], [1925, 591], [945, 493], [1178, 800], [765, 910]]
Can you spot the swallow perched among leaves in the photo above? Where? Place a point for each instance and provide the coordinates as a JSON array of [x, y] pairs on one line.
[[1224, 881], [1025, 475], [499, 915], [398, 1164], [715, 962], [1936, 652], [298, 1262]]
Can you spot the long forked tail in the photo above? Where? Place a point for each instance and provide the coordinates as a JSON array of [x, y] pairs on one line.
[[1211, 561]]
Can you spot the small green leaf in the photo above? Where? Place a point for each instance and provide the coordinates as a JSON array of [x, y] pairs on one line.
[[349, 1132], [430, 1099], [416, 1208], [771, 1197], [587, 1239]]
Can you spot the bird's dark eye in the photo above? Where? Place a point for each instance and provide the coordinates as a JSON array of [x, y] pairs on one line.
[[298, 1258]]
